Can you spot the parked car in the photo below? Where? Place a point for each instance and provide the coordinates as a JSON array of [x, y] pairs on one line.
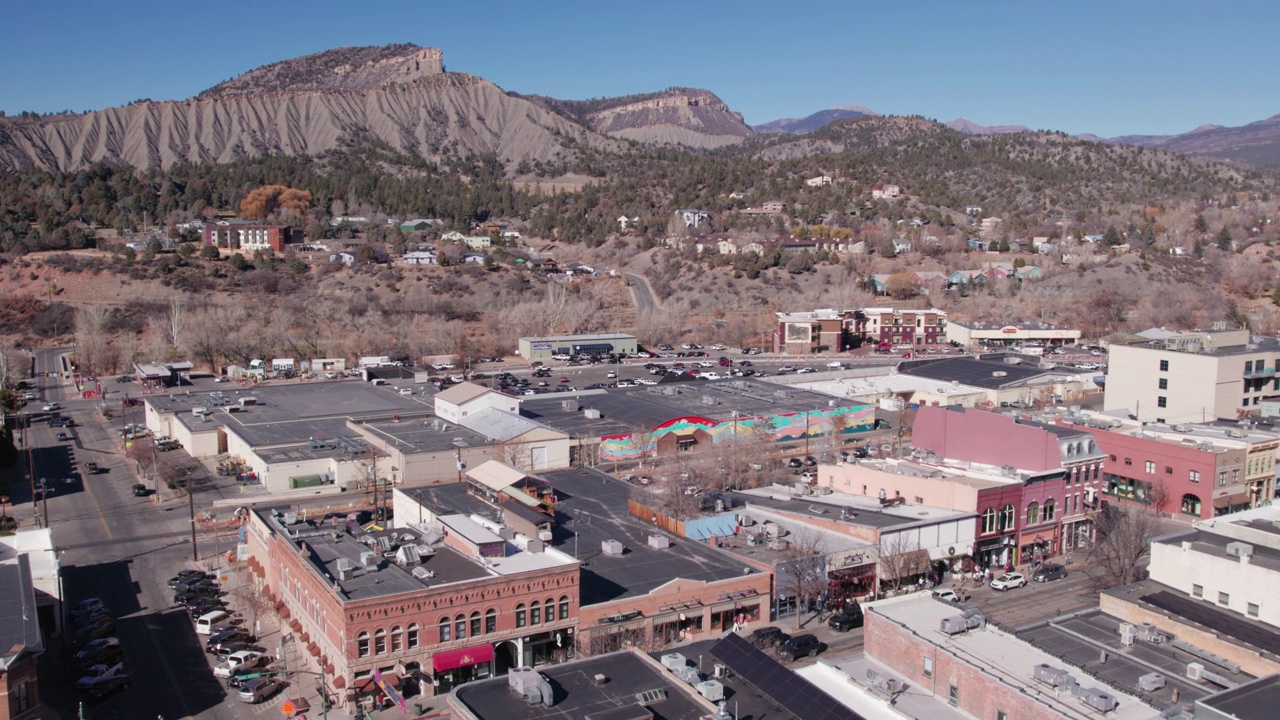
[[1009, 580], [101, 628], [240, 678], [951, 596], [847, 619], [50, 407], [96, 648], [90, 468], [219, 640], [1049, 572], [188, 577], [799, 646], [236, 660], [767, 637], [257, 690], [96, 688]]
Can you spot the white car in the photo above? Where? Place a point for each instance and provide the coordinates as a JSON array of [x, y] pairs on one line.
[[611, 374], [806, 370], [709, 375], [49, 407], [235, 661], [1009, 580], [836, 364], [646, 381]]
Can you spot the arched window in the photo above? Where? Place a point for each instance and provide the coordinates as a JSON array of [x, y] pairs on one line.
[[535, 613], [380, 642], [988, 521], [1006, 518], [564, 607], [490, 621], [475, 623], [1092, 448], [412, 636], [446, 630], [1079, 448], [362, 644], [1071, 449], [1033, 513], [521, 616], [550, 605], [1191, 504], [460, 627], [397, 636], [1049, 510]]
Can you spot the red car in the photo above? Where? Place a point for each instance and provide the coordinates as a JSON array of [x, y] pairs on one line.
[[564, 379]]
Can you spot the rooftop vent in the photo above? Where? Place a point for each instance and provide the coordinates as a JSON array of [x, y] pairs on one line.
[[408, 555], [1239, 549], [612, 547], [290, 517], [591, 414], [569, 405], [369, 559], [661, 542], [422, 573]]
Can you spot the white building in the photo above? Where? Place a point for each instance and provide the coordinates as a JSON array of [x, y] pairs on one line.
[[886, 192], [820, 181], [693, 218]]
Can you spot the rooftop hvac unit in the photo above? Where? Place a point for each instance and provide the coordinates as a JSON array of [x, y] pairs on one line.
[[506, 532], [569, 405], [1239, 549], [1127, 634], [1151, 682], [1195, 671], [520, 679], [1146, 631], [1236, 433], [709, 400], [422, 573], [545, 535], [674, 661], [661, 542], [611, 547], [954, 625], [290, 518], [368, 559], [408, 555], [689, 675], [344, 569], [591, 414], [1182, 428], [1099, 700], [535, 546], [1048, 674], [711, 690]]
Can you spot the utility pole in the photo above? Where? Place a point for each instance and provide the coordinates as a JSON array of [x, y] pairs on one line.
[[191, 505]]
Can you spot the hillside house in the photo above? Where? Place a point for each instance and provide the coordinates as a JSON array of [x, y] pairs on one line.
[[475, 242], [973, 210], [349, 220], [626, 223], [421, 257], [902, 245], [886, 192], [819, 181], [346, 258], [693, 218], [248, 235], [419, 225]]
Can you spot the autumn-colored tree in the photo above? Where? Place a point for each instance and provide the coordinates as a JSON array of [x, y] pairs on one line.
[[902, 285], [262, 201]]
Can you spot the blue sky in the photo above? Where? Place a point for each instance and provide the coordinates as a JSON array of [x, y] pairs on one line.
[[1109, 68]]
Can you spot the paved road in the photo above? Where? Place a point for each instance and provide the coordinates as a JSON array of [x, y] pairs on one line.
[[643, 295], [121, 549]]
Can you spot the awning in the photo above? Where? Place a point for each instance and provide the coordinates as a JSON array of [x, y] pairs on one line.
[[370, 684], [1229, 500], [462, 657], [915, 562], [339, 682]]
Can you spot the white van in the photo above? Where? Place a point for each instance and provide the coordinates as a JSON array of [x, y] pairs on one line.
[[205, 623]]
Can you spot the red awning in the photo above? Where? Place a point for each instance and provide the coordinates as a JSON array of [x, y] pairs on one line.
[[314, 649], [369, 684], [339, 682], [462, 657]]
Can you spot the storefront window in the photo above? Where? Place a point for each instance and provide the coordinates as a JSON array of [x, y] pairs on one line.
[[1191, 505], [490, 621], [362, 644], [446, 630], [413, 636], [520, 616]]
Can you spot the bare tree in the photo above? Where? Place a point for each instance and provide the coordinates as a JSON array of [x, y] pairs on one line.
[[899, 558], [91, 335], [1124, 534], [515, 454], [801, 572], [175, 323]]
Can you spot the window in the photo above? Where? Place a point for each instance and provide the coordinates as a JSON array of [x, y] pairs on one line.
[[1049, 510], [1128, 461], [521, 616], [1235, 476], [1002, 715], [412, 636], [988, 521], [1193, 476], [1191, 505], [1224, 598], [1222, 478], [953, 695], [1006, 518], [535, 613], [446, 630], [475, 623], [1168, 469], [490, 621], [460, 627], [1197, 590], [1033, 513], [564, 607], [380, 642], [1162, 401], [1151, 467], [1164, 383], [362, 644], [1113, 458], [1092, 447], [397, 636], [550, 605], [928, 667], [1164, 366], [1254, 609]]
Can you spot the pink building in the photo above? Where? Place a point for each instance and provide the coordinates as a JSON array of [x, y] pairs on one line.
[[1058, 471]]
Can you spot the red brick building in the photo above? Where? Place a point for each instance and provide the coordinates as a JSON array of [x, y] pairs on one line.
[[897, 326], [436, 604], [247, 236], [23, 642]]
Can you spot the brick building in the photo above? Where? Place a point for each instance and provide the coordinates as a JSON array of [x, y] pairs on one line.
[[248, 236], [898, 326], [809, 332], [437, 601], [23, 642]]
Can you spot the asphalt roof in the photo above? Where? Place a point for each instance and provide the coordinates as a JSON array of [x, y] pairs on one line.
[[592, 508], [1254, 700], [578, 697], [19, 625], [1211, 543], [971, 371], [421, 434], [862, 516]]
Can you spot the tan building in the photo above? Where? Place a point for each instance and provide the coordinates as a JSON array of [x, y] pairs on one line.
[[1194, 377]]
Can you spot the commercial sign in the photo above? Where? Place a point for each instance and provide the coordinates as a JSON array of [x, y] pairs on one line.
[[542, 346]]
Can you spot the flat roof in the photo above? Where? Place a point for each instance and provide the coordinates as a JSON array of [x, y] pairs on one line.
[[592, 508], [646, 407], [19, 621], [986, 325], [579, 338], [424, 433], [866, 510], [1211, 543], [973, 371], [499, 425], [628, 673], [877, 385], [1173, 603], [1254, 700], [1002, 655], [845, 679], [1078, 641]]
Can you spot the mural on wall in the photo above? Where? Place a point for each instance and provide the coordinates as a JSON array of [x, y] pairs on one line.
[[776, 428]]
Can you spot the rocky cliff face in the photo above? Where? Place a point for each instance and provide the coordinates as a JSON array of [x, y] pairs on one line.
[[306, 106], [696, 118]]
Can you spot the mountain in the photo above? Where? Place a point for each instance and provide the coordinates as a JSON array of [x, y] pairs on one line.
[[398, 97], [682, 116], [971, 128], [810, 123], [1257, 143]]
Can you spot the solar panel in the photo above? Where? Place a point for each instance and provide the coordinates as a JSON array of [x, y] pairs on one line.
[[1217, 620], [790, 691]]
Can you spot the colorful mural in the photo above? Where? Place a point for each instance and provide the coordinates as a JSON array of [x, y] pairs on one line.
[[777, 428]]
